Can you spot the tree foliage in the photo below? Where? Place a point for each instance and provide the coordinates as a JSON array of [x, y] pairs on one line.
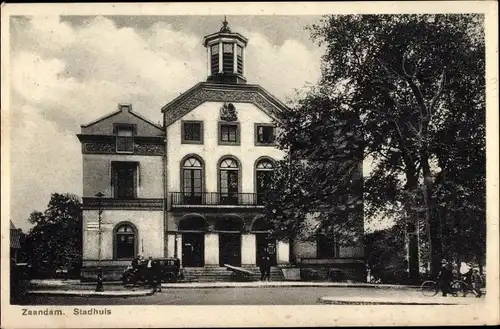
[[56, 239], [412, 86], [386, 257]]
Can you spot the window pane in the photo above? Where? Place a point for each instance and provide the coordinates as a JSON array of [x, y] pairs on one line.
[[125, 180], [229, 133], [125, 246], [229, 163], [124, 144], [192, 162], [325, 246], [192, 131], [232, 134], [223, 181], [224, 133], [125, 132], [265, 134]]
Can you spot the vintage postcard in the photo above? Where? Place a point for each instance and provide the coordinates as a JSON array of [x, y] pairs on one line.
[[239, 164]]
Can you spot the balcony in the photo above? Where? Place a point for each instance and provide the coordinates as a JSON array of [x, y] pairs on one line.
[[216, 200]]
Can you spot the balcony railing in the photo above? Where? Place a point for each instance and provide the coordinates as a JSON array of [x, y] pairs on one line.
[[216, 199]]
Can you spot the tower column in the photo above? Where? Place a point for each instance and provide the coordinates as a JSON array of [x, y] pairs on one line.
[[220, 57], [209, 60], [235, 57]]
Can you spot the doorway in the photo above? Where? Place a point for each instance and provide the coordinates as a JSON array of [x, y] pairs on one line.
[[230, 249], [263, 243], [193, 249]]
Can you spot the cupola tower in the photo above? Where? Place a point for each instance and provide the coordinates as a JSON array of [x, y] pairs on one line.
[[225, 55]]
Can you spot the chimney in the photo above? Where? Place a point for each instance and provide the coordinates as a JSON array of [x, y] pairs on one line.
[[125, 107]]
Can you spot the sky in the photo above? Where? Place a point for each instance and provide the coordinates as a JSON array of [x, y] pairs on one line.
[[66, 71]]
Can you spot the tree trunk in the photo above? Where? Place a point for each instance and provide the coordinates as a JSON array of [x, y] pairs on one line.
[[427, 189], [412, 230]]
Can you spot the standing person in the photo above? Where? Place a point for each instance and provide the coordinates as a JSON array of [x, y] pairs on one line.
[[149, 271], [156, 279], [135, 262], [477, 282], [264, 264], [445, 277]]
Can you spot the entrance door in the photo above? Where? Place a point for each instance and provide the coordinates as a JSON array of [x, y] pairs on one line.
[[193, 254], [263, 243], [230, 249]]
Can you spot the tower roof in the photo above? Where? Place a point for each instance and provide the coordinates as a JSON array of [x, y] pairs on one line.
[[224, 32]]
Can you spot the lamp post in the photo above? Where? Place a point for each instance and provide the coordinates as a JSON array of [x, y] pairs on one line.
[[99, 286]]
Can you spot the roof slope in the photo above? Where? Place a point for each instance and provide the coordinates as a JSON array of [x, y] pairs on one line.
[[15, 237], [215, 92]]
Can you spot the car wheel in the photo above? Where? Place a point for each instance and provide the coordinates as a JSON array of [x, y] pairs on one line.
[[170, 278], [128, 279]]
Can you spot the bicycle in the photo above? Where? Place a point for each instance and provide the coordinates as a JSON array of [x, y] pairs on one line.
[[430, 288]]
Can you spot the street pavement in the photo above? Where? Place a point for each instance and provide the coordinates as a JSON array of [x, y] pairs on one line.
[[254, 296]]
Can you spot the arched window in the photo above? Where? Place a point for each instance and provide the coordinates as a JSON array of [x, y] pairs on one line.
[[125, 241], [263, 176], [229, 181], [192, 173]]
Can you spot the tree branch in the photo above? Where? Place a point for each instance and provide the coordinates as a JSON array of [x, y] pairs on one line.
[[413, 86], [408, 76], [415, 131], [439, 92]]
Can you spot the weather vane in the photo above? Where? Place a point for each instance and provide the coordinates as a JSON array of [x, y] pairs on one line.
[[225, 27]]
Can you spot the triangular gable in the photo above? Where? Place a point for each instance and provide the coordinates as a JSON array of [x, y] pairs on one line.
[[122, 108], [211, 92]]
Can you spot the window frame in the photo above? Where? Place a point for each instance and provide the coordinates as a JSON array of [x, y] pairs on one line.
[[183, 130], [219, 174], [115, 240], [114, 179], [125, 126], [182, 168], [256, 172], [256, 134], [334, 252], [238, 133]]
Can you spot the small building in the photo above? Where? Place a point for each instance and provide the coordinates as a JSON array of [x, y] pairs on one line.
[[193, 187], [15, 241]]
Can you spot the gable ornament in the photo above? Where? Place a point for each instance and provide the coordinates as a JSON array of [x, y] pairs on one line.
[[228, 112]]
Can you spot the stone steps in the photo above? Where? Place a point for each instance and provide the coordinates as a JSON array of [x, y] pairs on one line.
[[221, 274]]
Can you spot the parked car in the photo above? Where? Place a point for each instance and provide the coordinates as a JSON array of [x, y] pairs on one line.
[[169, 269]]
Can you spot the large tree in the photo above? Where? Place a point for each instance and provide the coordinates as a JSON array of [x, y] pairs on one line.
[[56, 240], [413, 87]]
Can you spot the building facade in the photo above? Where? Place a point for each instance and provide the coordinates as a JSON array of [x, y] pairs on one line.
[[192, 188]]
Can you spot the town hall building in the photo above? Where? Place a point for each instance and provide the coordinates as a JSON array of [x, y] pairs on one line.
[[193, 187]]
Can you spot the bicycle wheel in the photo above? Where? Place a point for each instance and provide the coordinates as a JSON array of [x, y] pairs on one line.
[[429, 288], [458, 287]]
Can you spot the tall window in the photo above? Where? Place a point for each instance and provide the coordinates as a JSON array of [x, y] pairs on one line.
[[124, 179], [125, 139], [326, 246], [214, 59], [125, 242], [264, 175], [239, 58], [229, 181], [192, 181], [228, 58]]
